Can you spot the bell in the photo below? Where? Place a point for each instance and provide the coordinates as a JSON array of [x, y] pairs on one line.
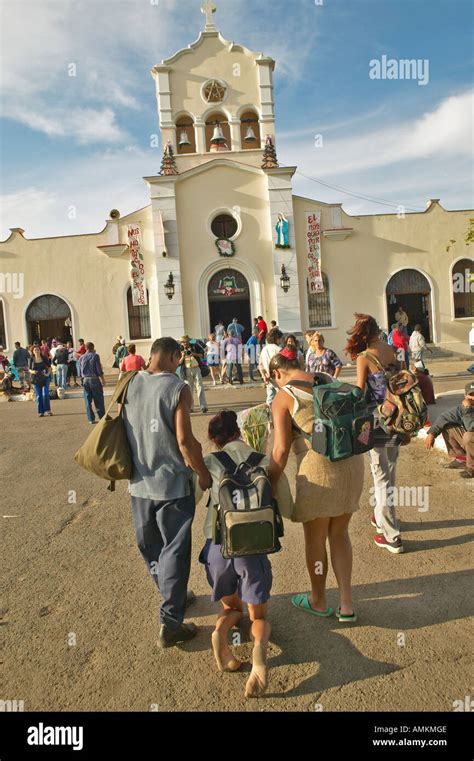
[[183, 140], [250, 135], [218, 136]]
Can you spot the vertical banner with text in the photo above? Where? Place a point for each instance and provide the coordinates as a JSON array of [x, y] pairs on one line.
[[137, 272], [313, 248]]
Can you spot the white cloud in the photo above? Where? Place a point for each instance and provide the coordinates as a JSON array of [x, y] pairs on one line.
[[442, 133]]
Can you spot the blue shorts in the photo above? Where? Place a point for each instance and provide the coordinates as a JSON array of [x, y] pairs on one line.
[[250, 578]]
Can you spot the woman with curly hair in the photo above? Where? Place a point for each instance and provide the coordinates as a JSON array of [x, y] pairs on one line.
[[373, 358]]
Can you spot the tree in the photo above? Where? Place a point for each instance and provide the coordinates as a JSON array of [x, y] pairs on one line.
[[270, 160], [168, 162]]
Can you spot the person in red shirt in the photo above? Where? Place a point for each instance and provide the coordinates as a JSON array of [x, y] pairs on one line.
[[132, 361], [262, 331], [401, 341], [80, 351]]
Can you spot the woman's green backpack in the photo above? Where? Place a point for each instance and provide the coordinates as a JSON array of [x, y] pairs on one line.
[[342, 426]]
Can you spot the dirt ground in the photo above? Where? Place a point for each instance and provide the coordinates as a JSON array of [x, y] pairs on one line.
[[80, 613]]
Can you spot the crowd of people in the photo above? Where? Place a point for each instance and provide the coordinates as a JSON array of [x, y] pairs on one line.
[[170, 475]]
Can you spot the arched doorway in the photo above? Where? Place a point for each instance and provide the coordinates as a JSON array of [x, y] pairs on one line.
[[229, 296], [411, 290], [49, 316]]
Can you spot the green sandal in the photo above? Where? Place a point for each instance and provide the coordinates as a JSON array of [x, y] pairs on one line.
[[345, 619], [301, 601]]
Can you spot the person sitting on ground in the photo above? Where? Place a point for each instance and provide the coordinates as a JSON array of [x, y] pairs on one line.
[[240, 580], [456, 425], [132, 361], [5, 377], [425, 383], [319, 359]]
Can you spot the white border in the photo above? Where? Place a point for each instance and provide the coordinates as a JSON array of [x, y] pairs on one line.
[[247, 270], [434, 337]]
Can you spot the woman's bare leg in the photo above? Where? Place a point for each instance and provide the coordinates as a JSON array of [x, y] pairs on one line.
[[229, 617], [260, 633], [341, 559], [315, 535]]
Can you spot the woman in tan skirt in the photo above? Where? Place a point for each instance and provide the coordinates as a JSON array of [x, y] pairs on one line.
[[327, 493]]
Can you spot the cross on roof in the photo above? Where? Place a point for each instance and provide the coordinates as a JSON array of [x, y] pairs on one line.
[[208, 9]]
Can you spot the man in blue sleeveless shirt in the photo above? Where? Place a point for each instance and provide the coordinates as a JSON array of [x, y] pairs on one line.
[[165, 453]]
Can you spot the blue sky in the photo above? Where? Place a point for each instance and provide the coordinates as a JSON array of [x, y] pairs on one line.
[[75, 147]]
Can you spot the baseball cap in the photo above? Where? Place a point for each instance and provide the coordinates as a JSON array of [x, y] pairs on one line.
[[469, 388]]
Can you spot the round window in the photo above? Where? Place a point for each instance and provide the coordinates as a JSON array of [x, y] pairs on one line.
[[224, 226]]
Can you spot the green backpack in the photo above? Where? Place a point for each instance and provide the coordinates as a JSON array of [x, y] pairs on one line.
[[342, 424], [106, 451]]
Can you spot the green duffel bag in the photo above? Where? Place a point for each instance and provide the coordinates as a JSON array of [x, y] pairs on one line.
[[106, 451]]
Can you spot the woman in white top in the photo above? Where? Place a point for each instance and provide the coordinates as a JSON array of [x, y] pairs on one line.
[[213, 363]]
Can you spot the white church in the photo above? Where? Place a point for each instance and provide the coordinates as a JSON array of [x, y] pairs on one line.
[[224, 235]]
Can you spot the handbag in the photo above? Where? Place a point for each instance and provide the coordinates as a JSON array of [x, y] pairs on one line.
[[106, 451]]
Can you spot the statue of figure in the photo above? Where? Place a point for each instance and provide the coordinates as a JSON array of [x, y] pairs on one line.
[[283, 232]]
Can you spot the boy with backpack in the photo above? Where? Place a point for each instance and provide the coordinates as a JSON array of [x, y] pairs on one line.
[[241, 527]]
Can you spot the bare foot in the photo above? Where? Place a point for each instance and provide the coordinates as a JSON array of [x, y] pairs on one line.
[[223, 654], [257, 681]]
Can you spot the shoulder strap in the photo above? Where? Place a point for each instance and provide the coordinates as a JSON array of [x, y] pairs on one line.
[[225, 460], [372, 358], [304, 384], [255, 459], [120, 391]]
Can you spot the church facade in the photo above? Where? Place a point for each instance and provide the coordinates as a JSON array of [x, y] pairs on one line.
[[224, 235]]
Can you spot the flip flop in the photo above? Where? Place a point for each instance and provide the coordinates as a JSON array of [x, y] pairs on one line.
[[345, 619], [301, 602]]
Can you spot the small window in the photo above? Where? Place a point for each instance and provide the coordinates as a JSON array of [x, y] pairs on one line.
[[138, 319], [224, 226], [463, 288], [319, 306]]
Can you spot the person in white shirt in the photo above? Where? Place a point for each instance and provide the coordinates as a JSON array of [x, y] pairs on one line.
[[271, 348], [212, 354], [470, 369], [418, 345]]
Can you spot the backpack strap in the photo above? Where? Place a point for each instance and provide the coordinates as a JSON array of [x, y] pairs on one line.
[[368, 355], [225, 460], [254, 459]]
